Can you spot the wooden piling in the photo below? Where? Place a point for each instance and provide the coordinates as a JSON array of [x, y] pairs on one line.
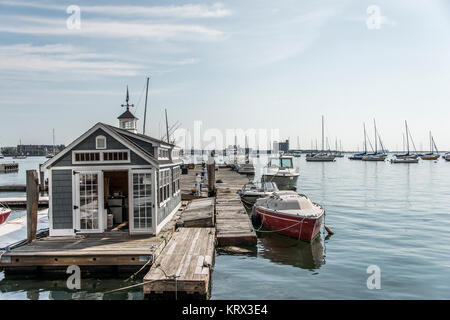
[[41, 179], [32, 204], [211, 168]]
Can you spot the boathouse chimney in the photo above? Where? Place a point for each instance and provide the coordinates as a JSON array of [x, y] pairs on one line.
[[127, 120]]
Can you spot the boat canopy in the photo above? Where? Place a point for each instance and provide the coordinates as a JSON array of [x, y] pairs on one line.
[[292, 203], [281, 162]]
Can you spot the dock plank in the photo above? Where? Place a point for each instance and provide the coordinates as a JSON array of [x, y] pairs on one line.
[[188, 257]]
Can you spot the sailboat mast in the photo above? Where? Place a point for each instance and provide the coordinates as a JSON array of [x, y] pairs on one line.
[[145, 110], [53, 141], [407, 137], [376, 138], [365, 138], [322, 134]]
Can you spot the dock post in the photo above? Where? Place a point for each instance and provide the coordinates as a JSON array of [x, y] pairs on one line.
[[32, 204], [41, 179], [211, 168]]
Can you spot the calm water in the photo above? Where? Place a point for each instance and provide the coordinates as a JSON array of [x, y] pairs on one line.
[[394, 216]]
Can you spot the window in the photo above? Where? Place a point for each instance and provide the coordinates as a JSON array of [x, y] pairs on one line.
[[164, 183], [119, 156], [175, 154], [163, 153], [87, 156], [100, 142], [176, 180], [115, 156], [286, 163]]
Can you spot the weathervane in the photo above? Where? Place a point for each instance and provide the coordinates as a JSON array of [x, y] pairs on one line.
[[126, 100]]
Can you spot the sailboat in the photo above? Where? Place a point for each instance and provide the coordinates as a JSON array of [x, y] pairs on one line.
[[406, 157], [321, 156], [431, 155], [376, 156], [359, 156], [51, 155]]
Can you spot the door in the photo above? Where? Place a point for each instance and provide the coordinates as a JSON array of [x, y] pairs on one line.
[[88, 201], [141, 207]]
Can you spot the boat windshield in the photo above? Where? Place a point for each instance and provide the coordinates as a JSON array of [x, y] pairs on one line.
[[286, 163]]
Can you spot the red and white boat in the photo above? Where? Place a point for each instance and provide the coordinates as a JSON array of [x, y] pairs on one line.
[[289, 213], [4, 213]]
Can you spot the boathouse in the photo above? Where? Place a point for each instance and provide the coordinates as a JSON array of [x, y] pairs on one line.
[[113, 179]]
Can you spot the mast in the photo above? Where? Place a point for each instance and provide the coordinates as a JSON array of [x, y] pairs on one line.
[[376, 137], [145, 110], [365, 138], [53, 141], [407, 138], [322, 135], [167, 127]]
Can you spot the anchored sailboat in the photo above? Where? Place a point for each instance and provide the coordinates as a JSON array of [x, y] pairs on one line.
[[321, 156], [406, 157], [376, 156], [431, 155], [359, 156]]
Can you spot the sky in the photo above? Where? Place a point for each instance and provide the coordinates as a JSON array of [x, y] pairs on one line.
[[254, 64]]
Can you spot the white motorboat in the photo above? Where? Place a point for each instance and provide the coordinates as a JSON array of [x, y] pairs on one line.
[[1, 156], [246, 168], [446, 156], [253, 191], [281, 171]]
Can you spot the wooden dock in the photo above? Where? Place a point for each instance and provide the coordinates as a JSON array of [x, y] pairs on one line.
[[21, 202], [110, 250], [233, 225], [184, 267], [198, 213]]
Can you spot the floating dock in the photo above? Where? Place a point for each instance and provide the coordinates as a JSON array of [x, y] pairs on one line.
[[21, 202], [9, 167], [183, 269], [180, 257], [108, 250]]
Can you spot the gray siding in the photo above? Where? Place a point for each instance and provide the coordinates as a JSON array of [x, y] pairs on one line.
[[62, 206], [89, 144], [148, 147]]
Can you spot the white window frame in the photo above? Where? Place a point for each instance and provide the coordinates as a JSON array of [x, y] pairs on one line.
[[101, 161], [178, 168], [161, 156], [163, 202], [97, 139], [132, 229]]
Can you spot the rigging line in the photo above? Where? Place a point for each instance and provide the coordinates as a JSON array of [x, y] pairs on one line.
[[140, 98]]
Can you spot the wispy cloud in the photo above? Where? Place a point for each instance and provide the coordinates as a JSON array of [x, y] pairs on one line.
[[54, 58], [108, 29], [216, 10]]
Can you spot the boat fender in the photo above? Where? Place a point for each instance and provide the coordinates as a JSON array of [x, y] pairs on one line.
[[329, 230]]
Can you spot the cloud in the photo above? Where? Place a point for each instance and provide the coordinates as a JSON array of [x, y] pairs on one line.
[[108, 29], [216, 10], [61, 58]]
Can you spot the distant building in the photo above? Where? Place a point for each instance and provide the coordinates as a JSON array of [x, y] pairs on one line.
[[281, 146]]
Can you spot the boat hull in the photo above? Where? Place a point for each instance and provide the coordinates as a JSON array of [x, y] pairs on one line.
[[283, 182], [306, 229], [4, 215], [433, 157]]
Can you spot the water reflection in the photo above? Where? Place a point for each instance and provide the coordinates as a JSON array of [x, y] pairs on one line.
[[285, 250], [45, 288]]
